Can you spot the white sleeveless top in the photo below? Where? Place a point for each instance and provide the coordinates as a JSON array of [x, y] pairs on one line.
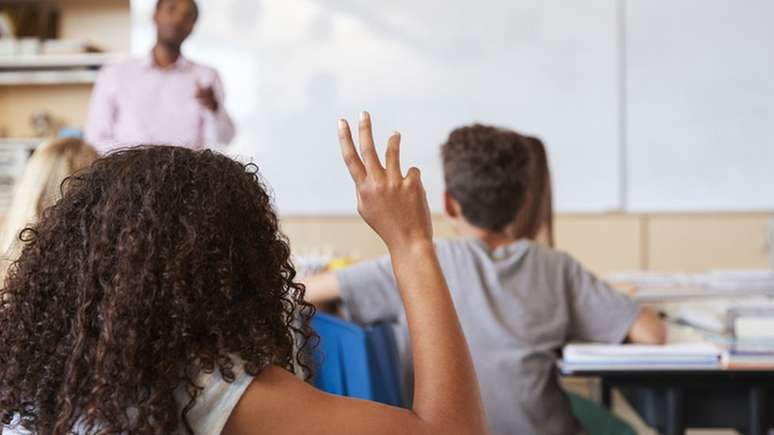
[[213, 405], [215, 402]]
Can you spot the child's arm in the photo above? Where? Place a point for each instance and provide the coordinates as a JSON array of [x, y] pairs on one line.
[[599, 313], [446, 397], [322, 288]]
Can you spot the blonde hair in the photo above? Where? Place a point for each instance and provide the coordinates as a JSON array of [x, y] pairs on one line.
[[40, 187]]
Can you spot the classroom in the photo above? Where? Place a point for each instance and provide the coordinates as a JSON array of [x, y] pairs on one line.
[[238, 217]]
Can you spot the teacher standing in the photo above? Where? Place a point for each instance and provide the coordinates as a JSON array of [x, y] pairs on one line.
[[162, 98]]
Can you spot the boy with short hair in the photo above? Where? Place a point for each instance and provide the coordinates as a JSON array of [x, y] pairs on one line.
[[518, 302]]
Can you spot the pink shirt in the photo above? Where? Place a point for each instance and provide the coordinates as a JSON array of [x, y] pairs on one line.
[[135, 102]]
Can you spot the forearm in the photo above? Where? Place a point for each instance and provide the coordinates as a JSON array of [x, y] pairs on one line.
[[445, 387], [446, 398], [322, 288]]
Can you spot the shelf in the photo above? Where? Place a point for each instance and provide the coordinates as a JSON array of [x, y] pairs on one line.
[[52, 77], [48, 61], [53, 69]]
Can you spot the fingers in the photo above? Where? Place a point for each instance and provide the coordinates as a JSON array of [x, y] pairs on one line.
[[392, 157], [413, 175], [367, 147], [367, 162], [356, 168]]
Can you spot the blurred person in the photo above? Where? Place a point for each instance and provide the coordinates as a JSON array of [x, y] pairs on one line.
[[162, 97], [39, 187]]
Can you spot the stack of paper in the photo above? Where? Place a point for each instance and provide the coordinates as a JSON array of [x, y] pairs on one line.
[[683, 356], [734, 360], [736, 279], [657, 286], [753, 330], [656, 280]]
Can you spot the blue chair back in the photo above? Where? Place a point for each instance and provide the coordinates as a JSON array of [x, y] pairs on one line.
[[357, 361]]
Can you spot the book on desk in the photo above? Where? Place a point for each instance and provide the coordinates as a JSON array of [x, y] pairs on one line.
[[747, 343], [631, 357], [651, 286]]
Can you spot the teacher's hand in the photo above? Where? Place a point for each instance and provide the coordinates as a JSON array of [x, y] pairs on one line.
[[206, 97]]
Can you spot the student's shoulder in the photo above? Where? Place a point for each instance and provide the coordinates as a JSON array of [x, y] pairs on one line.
[[451, 247], [549, 256], [452, 252], [522, 247]]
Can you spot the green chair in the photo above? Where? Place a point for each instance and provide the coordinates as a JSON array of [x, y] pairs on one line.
[[596, 419]]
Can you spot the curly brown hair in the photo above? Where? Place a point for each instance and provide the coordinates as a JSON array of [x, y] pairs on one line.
[[487, 170], [158, 264]]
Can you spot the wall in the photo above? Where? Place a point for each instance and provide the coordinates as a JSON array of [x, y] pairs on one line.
[[105, 23], [604, 243], [696, 242]]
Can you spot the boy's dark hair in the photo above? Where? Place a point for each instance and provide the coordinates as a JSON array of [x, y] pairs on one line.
[[486, 169]]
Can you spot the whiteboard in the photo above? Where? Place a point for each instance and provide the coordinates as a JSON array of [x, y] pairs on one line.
[[700, 105], [292, 67]]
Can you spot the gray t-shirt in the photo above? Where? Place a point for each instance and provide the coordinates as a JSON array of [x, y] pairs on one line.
[[518, 305]]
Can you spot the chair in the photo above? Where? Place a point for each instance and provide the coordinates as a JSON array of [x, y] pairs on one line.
[[596, 419], [357, 361]]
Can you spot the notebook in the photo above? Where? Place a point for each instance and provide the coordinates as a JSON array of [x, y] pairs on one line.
[[681, 356]]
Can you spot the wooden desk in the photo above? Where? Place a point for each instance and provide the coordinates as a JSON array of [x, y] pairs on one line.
[[674, 400]]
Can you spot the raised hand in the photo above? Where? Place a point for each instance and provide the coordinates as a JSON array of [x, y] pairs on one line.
[[393, 205]]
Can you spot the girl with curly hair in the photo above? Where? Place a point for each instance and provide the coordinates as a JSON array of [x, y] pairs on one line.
[[157, 296]]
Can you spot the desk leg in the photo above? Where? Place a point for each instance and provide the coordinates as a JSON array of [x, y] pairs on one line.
[[758, 423], [606, 400], [675, 425]]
